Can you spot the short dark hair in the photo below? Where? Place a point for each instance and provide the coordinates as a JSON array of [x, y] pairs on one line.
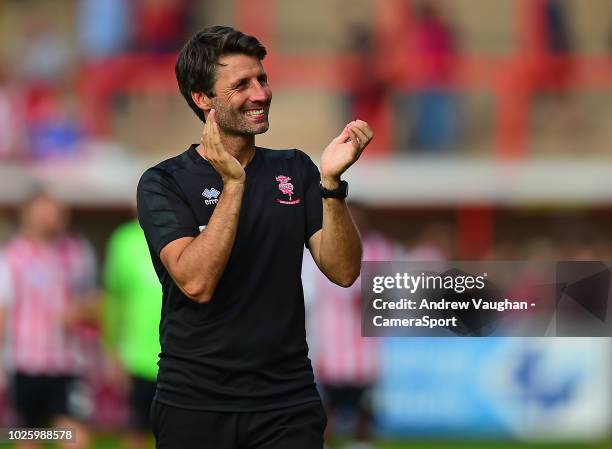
[[35, 191], [196, 66]]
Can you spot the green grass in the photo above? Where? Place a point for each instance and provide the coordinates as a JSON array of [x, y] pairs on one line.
[[111, 442], [450, 444]]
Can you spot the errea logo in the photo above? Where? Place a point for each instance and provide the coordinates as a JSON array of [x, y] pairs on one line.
[[211, 195]]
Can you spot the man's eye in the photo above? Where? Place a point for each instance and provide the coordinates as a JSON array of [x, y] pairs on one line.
[[263, 80]]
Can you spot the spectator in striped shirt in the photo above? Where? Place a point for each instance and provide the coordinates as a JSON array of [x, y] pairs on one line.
[[46, 285], [345, 363]]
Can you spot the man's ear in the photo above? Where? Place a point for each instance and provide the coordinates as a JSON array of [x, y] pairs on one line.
[[202, 101]]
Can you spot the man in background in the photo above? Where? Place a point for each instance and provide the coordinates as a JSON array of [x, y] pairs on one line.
[[346, 364], [47, 290], [132, 312]]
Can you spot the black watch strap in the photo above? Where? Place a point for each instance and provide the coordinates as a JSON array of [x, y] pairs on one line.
[[340, 192]]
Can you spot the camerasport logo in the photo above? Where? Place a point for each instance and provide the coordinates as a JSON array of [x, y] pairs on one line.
[[287, 189]]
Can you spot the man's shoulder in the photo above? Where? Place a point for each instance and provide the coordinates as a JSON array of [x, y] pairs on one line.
[[284, 154], [166, 170], [171, 165]]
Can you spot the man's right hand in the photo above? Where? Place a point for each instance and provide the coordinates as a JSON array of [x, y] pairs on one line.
[[223, 162]]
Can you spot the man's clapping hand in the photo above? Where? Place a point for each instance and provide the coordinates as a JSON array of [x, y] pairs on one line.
[[343, 151], [223, 162]]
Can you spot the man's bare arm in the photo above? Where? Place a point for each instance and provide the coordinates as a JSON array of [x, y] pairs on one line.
[[337, 245], [336, 248], [196, 264]]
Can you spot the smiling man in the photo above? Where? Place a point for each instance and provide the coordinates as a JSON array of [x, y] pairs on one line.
[[226, 223]]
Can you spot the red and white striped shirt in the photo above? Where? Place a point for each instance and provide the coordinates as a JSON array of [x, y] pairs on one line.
[[341, 356], [40, 282]]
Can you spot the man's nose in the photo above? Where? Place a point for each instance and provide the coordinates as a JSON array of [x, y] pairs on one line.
[[259, 92]]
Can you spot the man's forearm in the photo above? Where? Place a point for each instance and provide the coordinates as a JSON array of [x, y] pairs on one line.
[[202, 262], [340, 250]]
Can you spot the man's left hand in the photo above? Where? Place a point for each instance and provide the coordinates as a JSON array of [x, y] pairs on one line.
[[343, 151]]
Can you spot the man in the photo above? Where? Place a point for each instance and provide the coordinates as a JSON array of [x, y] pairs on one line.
[[226, 223], [47, 284], [132, 306]]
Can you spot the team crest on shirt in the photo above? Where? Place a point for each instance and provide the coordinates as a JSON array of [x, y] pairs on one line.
[[211, 195], [287, 189]]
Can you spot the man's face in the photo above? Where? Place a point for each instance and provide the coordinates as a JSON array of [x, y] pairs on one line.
[[242, 95], [45, 216]]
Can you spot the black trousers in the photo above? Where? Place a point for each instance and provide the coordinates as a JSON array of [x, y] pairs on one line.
[[40, 399], [296, 427]]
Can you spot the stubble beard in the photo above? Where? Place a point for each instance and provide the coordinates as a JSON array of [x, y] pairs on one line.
[[235, 123]]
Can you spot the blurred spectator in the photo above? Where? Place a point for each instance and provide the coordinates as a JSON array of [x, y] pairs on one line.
[[132, 314], [367, 89], [434, 243], [104, 28], [581, 242], [54, 127], [161, 25], [42, 55], [43, 61], [538, 248], [556, 42], [345, 363], [554, 70], [436, 105], [557, 30], [46, 293]]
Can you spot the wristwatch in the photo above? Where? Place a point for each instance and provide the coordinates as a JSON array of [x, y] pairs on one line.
[[340, 192]]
